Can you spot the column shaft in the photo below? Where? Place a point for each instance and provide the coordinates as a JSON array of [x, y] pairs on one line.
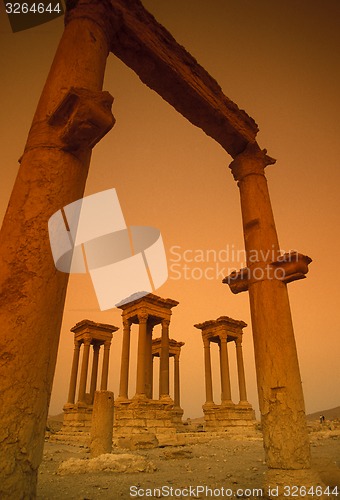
[[48, 179], [148, 363], [225, 375], [278, 375], [208, 375], [164, 360], [124, 368], [105, 368], [240, 372], [94, 374], [74, 373], [177, 400], [141, 357], [84, 370]]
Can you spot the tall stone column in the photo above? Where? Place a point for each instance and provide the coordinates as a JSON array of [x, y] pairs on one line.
[[84, 370], [177, 399], [124, 368], [94, 374], [105, 367], [148, 362], [74, 373], [225, 374], [240, 371], [51, 175], [278, 376], [208, 375], [164, 360], [141, 356]]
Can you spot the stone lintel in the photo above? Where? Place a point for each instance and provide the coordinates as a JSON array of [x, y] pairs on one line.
[[157, 309], [174, 347], [166, 67], [223, 326], [99, 332], [291, 266]]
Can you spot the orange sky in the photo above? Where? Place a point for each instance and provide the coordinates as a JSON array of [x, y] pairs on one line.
[[280, 62]]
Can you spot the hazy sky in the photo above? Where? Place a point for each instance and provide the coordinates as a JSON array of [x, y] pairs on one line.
[[280, 62]]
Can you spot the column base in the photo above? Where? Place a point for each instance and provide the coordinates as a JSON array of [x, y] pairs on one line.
[[284, 483]]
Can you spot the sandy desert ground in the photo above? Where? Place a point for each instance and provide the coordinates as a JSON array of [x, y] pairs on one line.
[[237, 465]]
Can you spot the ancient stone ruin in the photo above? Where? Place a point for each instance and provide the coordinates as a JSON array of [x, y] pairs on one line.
[[222, 417], [73, 114], [143, 413], [78, 412]]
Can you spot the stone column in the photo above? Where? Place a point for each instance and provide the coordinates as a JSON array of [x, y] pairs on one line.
[[84, 369], [281, 400], [105, 368], [176, 381], [208, 376], [164, 360], [148, 362], [50, 176], [102, 424], [74, 373], [94, 374], [240, 371], [124, 368], [141, 357], [225, 375]]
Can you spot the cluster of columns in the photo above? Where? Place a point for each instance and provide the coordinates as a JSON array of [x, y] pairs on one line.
[[222, 331], [174, 351], [88, 333], [147, 312]]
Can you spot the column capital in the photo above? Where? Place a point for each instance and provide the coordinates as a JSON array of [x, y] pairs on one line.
[[87, 340], [77, 344], [238, 342], [96, 347], [223, 337], [107, 344], [165, 323], [143, 317], [206, 343], [252, 161], [127, 323]]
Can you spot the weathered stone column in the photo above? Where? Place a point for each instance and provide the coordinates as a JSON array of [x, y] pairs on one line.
[[94, 374], [74, 373], [225, 374], [240, 371], [148, 362], [208, 376], [164, 360], [105, 367], [102, 424], [278, 376], [177, 397], [124, 368], [84, 370], [52, 174], [141, 357]]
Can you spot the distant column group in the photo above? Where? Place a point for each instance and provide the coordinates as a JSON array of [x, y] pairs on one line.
[[222, 331], [89, 333]]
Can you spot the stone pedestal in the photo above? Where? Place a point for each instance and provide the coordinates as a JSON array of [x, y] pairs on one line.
[[221, 418], [134, 420], [76, 424]]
